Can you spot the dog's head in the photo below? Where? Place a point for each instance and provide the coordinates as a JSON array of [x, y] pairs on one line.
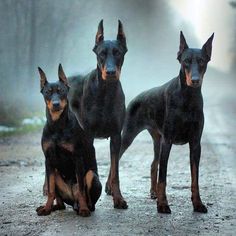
[[194, 61], [110, 53], [55, 94]]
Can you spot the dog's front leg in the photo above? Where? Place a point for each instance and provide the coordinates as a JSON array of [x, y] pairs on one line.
[[46, 210], [195, 153], [118, 200], [79, 188], [80, 196], [162, 203]]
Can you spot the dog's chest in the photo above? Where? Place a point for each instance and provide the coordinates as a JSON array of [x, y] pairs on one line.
[[59, 143], [104, 118], [184, 123]]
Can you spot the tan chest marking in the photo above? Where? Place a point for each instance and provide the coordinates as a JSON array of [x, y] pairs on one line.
[[67, 146], [46, 145]]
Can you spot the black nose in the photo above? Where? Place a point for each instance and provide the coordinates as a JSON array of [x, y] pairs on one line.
[[111, 72], [56, 104], [195, 80]]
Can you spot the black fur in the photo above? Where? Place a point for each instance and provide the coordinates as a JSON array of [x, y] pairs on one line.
[[68, 154], [98, 101], [173, 114]]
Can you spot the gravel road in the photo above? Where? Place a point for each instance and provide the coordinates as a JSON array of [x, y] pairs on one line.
[[22, 176]]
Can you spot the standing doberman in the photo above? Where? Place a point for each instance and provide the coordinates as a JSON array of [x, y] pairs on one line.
[[98, 101], [71, 167], [172, 114]]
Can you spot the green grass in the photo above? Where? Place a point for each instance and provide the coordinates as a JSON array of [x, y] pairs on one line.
[[21, 130]]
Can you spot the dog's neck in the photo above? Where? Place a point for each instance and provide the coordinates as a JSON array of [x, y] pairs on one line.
[[57, 120]]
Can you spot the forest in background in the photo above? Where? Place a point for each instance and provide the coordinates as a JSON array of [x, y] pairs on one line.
[[45, 33]]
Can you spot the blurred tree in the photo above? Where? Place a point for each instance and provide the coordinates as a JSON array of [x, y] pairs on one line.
[[45, 33]]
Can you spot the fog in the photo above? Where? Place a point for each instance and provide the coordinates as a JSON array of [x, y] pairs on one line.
[[45, 33]]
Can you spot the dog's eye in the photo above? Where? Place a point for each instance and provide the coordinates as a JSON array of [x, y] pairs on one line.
[[201, 62], [102, 54], [60, 90], [188, 61], [116, 53], [49, 91]]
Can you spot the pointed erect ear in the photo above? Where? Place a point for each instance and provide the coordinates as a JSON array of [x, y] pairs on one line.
[[43, 79], [207, 47], [121, 35], [182, 46], [99, 36], [61, 75]]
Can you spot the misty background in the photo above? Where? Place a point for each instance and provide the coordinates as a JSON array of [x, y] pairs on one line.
[[48, 32]]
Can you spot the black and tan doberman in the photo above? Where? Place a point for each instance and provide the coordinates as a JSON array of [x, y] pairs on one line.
[[172, 114], [71, 168], [98, 101]]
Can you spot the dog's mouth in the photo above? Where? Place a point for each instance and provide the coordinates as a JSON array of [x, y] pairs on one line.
[[56, 109], [195, 85], [112, 77]]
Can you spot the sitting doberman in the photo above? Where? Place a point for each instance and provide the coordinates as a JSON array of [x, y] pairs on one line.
[[98, 101], [71, 168], [172, 114]]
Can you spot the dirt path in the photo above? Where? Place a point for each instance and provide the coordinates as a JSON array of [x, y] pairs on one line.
[[22, 175]]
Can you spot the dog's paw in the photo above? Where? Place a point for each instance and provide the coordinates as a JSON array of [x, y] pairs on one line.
[[200, 207], [163, 208], [120, 203], [43, 211], [58, 207], [84, 212]]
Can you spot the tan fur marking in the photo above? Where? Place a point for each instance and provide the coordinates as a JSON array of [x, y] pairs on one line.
[[55, 115], [89, 178], [49, 104], [46, 145], [104, 74], [79, 194], [188, 78], [65, 189], [51, 191], [67, 146]]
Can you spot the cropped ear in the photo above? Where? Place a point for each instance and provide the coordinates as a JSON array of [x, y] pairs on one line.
[[207, 47], [182, 46], [121, 35], [43, 79], [62, 76], [100, 33]]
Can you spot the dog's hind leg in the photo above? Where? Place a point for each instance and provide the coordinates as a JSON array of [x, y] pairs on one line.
[[94, 189], [154, 166], [132, 127]]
